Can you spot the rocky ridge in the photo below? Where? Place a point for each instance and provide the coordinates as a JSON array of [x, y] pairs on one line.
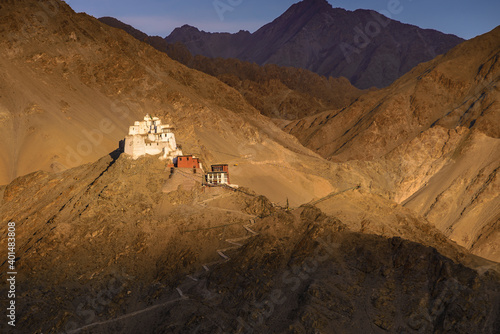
[[277, 92]]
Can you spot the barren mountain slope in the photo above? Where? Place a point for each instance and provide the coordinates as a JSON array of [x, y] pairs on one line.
[[448, 177], [457, 89], [119, 245], [460, 193], [277, 92], [433, 141], [71, 86], [367, 48]]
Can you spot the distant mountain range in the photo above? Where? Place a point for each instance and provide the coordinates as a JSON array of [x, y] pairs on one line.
[[364, 46]]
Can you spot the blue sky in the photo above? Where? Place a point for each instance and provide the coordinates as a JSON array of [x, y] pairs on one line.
[[464, 18]]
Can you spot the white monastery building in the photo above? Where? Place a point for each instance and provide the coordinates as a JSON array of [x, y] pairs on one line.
[[151, 137]]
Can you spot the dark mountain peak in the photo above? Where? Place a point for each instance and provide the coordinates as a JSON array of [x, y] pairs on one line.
[[306, 8], [320, 4], [188, 27], [243, 32], [109, 19], [185, 30]]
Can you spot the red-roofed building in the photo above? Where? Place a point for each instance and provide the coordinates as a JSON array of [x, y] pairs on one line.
[[187, 161], [220, 168]]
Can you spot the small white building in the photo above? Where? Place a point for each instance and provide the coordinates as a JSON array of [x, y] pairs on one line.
[[217, 178], [151, 137], [218, 175]]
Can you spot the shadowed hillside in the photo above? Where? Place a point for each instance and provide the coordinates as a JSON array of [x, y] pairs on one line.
[[104, 247]]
